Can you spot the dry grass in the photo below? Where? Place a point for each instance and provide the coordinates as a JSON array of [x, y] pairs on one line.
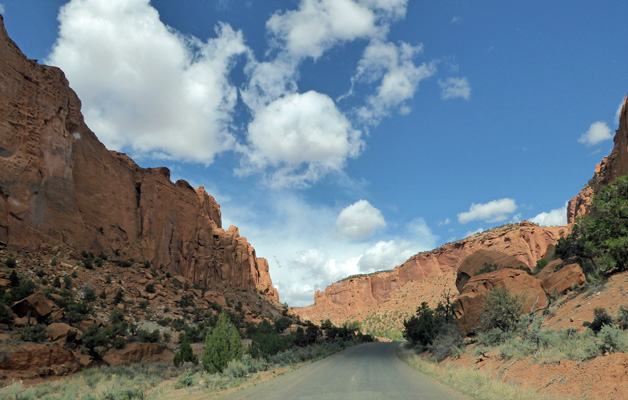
[[474, 383]]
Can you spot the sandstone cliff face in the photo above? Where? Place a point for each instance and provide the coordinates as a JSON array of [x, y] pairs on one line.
[[527, 242], [59, 184], [610, 168]]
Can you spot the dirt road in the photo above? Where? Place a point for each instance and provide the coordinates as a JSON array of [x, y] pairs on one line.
[[364, 372]]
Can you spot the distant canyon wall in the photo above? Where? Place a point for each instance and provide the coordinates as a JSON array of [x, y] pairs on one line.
[[342, 300], [60, 185]]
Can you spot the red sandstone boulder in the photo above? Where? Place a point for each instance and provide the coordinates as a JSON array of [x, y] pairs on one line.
[[62, 333], [139, 353], [469, 306], [476, 262], [37, 304], [35, 360], [564, 279]]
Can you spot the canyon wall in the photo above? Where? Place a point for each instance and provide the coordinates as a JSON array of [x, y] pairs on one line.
[[354, 296], [610, 168], [60, 185]]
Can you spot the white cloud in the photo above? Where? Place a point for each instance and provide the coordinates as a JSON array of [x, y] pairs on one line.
[[452, 88], [475, 232], [456, 19], [318, 25], [360, 220], [393, 68], [493, 211], [305, 251], [557, 217], [598, 132], [385, 255], [618, 112], [143, 85], [447, 221], [1, 8], [300, 137]]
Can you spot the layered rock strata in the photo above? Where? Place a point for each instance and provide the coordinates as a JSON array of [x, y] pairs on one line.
[[60, 185]]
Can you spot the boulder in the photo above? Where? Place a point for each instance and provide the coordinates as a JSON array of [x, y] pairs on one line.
[[38, 305], [60, 332], [476, 262], [564, 279], [469, 306], [139, 353], [549, 269], [34, 360]]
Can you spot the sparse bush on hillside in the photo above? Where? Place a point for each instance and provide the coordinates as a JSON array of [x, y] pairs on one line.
[[599, 240], [33, 333], [501, 310], [622, 317], [601, 318], [427, 324], [10, 262]]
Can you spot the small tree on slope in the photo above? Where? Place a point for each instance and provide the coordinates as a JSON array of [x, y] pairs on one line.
[[222, 344]]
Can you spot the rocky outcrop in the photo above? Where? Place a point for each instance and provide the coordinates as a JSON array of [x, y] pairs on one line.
[[610, 168], [139, 353], [525, 242], [469, 306], [60, 185], [566, 278], [31, 361], [481, 259], [35, 305]]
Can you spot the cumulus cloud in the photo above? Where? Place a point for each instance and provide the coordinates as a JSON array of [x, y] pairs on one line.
[[493, 211], [557, 217], [1, 8], [392, 67], [144, 86], [300, 137], [305, 251], [318, 25], [455, 19], [598, 132], [360, 220], [475, 232], [446, 221], [452, 88]]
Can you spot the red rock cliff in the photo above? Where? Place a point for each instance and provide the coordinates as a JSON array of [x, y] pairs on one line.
[[610, 168], [59, 184], [343, 300]]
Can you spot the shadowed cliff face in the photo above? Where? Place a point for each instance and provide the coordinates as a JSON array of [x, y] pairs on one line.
[[59, 184], [345, 300], [610, 168]]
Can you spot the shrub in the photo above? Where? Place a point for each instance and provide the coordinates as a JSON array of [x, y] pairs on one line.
[[95, 337], [600, 318], [10, 262], [622, 317], [33, 333], [150, 288], [613, 340], [542, 263], [266, 341], [119, 297], [222, 344], [421, 329], [236, 369], [14, 279], [89, 294], [185, 354], [143, 304], [501, 310], [67, 282], [57, 282], [185, 380], [24, 289]]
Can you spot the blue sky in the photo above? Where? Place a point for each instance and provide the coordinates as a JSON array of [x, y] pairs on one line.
[[343, 136]]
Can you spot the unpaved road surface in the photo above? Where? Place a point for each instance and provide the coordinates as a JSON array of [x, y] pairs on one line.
[[364, 372]]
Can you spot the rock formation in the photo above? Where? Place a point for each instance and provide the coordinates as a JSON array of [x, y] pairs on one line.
[[476, 262], [525, 242], [610, 168], [469, 306], [60, 185]]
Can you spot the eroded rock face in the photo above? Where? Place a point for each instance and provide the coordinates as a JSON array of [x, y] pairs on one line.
[[473, 265], [139, 353], [526, 243], [469, 306], [59, 184], [36, 360], [36, 304], [610, 168], [564, 279]]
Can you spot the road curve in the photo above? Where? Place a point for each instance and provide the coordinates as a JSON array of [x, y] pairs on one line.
[[364, 372]]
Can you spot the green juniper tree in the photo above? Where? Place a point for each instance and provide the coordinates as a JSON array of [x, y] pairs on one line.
[[222, 344]]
